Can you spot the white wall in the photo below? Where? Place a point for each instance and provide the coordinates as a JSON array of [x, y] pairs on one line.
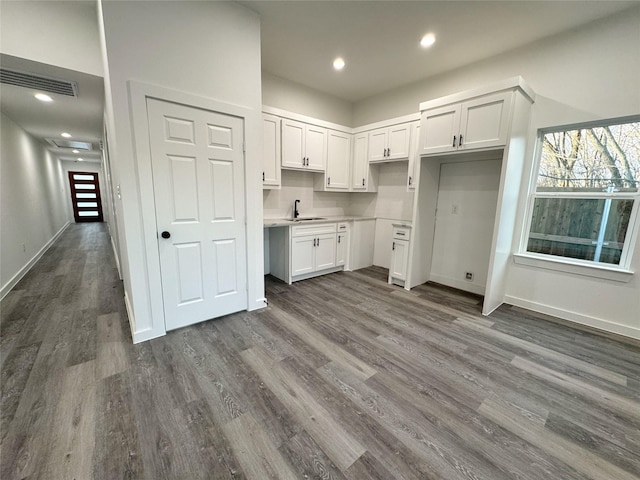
[[299, 186], [287, 95], [586, 74], [467, 199], [32, 205], [207, 49], [61, 33]]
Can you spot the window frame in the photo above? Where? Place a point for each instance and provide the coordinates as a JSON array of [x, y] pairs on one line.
[[569, 264]]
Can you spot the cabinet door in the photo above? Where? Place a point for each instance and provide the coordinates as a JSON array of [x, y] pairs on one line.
[[325, 251], [360, 171], [398, 142], [378, 145], [293, 144], [399, 259], [440, 126], [485, 121], [302, 255], [342, 247], [316, 147], [338, 160], [271, 150], [414, 157]]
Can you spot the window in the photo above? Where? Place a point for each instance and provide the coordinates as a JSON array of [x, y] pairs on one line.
[[586, 201]]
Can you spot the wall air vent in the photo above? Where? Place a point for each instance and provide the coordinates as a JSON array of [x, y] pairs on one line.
[[38, 82], [62, 143]]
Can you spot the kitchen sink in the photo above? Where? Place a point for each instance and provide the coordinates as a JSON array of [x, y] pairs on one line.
[[306, 219]]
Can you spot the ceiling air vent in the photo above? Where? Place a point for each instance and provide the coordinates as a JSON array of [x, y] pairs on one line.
[[38, 82], [61, 143]]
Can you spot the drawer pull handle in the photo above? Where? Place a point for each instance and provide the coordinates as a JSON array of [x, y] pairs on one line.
[[393, 246], [454, 142]]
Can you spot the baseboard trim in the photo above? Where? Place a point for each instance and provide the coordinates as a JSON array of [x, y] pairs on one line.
[[459, 284], [6, 288], [591, 322]]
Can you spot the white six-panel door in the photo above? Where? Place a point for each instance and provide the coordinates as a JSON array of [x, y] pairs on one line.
[[198, 176]]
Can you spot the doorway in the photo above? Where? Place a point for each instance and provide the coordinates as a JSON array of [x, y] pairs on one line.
[[85, 197]]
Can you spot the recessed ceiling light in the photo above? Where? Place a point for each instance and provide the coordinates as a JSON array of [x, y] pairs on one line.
[[43, 98], [80, 159], [75, 151], [428, 40], [65, 135], [338, 63]]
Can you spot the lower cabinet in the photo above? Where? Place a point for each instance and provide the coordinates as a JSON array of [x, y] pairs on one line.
[[306, 250], [342, 245], [312, 253], [399, 254]]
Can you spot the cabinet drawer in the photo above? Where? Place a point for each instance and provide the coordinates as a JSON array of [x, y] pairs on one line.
[[315, 229], [342, 227], [401, 233]]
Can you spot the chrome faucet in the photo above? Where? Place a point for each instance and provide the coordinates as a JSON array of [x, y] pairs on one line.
[[296, 213]]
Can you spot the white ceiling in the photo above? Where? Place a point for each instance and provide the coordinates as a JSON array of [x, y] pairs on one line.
[[81, 116], [300, 39], [379, 40]]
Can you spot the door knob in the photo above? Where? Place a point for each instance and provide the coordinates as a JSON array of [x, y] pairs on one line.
[[165, 234]]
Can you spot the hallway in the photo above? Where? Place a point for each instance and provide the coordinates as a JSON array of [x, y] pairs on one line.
[[341, 377]]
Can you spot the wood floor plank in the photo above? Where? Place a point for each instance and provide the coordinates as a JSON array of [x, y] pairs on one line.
[[590, 465], [308, 459], [73, 437], [258, 457], [339, 445]]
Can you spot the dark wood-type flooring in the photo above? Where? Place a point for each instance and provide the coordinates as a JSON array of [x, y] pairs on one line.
[[341, 377]]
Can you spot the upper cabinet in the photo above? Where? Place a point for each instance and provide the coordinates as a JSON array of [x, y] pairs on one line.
[[414, 157], [338, 162], [304, 146], [363, 177], [478, 123], [390, 143], [270, 151]]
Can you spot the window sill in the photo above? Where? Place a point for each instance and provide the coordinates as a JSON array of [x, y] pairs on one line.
[[566, 265]]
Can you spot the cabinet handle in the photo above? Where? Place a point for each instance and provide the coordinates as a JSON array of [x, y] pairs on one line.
[[393, 246], [454, 142], [318, 243], [389, 152], [338, 238], [409, 180], [329, 181], [263, 176], [363, 182], [460, 141], [307, 161], [314, 242]]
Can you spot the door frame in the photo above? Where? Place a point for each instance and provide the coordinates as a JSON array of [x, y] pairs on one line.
[[138, 95]]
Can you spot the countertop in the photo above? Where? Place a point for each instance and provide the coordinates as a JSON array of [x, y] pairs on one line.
[[287, 222]]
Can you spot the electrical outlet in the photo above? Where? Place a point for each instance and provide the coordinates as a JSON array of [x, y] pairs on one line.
[[469, 276], [454, 209]]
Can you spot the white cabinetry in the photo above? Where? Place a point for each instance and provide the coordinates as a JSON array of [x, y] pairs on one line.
[[414, 157], [338, 163], [363, 178], [399, 254], [313, 249], [342, 244], [390, 143], [481, 122], [304, 146], [270, 151]]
